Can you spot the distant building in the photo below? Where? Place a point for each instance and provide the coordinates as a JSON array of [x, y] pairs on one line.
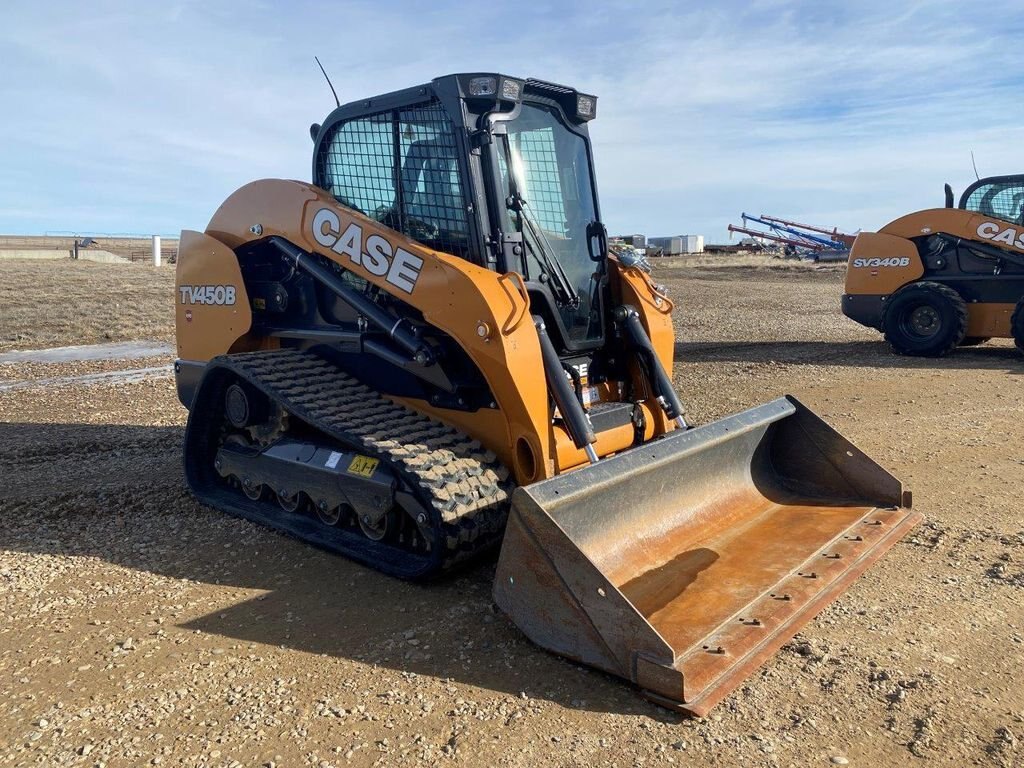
[[637, 241], [677, 244]]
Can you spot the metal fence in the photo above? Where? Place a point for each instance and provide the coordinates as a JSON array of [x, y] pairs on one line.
[[167, 255]]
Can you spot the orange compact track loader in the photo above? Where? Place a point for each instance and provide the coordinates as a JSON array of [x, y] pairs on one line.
[[941, 278], [428, 352]]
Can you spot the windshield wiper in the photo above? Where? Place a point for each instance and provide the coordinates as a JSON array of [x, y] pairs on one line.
[[538, 244]]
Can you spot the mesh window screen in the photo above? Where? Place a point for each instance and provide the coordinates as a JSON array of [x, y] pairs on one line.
[[543, 182], [1003, 200], [432, 198], [413, 186], [358, 165]]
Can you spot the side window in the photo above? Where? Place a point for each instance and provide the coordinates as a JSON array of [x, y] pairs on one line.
[[413, 186], [999, 199], [432, 200], [358, 165]]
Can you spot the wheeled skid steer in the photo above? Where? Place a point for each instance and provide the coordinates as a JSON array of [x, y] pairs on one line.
[[943, 278], [429, 351]]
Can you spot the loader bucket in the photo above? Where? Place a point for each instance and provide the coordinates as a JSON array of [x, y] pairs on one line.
[[681, 565]]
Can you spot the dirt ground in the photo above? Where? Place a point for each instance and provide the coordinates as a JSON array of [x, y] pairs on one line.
[[141, 628]]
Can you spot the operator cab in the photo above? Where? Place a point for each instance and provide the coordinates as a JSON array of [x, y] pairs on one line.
[[489, 168], [1001, 197]]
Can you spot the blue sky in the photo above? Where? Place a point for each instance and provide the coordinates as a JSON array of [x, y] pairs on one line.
[[141, 117]]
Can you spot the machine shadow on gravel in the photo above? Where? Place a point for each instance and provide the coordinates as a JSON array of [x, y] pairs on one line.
[[873, 354], [448, 629], [117, 492]]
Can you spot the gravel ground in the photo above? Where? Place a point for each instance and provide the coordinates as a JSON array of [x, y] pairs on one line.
[[143, 629]]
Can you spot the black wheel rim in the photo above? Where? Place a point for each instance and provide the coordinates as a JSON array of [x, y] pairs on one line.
[[921, 322]]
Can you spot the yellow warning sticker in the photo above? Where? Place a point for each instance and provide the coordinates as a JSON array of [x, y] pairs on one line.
[[363, 466]]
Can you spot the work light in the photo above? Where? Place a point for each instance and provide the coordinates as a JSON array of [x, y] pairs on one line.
[[483, 86], [511, 89], [585, 107]]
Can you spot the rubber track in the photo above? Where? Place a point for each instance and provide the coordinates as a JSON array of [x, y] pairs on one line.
[[449, 471]]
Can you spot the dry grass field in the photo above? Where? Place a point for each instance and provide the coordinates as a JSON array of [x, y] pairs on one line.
[[141, 628], [53, 303], [755, 262]]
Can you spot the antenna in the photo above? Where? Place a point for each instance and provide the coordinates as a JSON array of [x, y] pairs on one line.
[[336, 101], [975, 166]]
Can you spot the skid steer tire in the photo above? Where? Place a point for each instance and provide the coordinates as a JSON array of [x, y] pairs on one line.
[[925, 320], [974, 341], [1017, 325]]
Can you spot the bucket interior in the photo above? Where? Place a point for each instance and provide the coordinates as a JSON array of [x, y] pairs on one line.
[[695, 529], [712, 572]]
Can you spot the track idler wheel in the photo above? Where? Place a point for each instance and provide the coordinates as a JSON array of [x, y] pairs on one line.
[[289, 502], [379, 528], [330, 516], [252, 490], [244, 407]]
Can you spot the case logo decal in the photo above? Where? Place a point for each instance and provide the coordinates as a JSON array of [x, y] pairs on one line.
[[376, 254], [995, 232]]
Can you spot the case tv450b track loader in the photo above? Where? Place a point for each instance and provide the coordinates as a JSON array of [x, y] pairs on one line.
[[945, 277], [428, 351]]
